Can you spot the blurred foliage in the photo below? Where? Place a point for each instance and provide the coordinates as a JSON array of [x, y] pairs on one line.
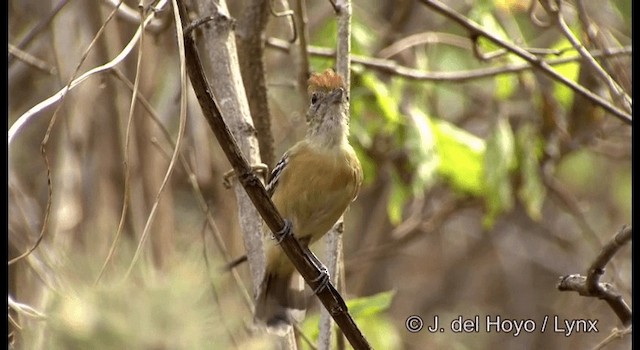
[[456, 214], [562, 93], [532, 191], [499, 161], [369, 315], [176, 310], [461, 155]]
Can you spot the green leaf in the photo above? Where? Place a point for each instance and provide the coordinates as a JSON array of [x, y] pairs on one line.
[[416, 138], [421, 145], [532, 191], [368, 312], [326, 35], [570, 70], [371, 305], [460, 155], [362, 36], [386, 104], [398, 196], [621, 192], [499, 160], [488, 21], [505, 86]]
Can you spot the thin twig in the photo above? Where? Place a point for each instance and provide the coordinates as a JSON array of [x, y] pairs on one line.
[[392, 67], [25, 310], [289, 14], [302, 47], [127, 138], [211, 223], [128, 14], [176, 151], [31, 60], [43, 145], [26, 117], [615, 334], [40, 26], [214, 292], [617, 92], [532, 15], [422, 39]]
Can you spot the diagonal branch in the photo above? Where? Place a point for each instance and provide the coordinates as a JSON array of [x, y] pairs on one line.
[[476, 30], [615, 89], [329, 297]]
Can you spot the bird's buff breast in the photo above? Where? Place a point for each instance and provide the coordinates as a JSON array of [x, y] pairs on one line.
[[325, 184]]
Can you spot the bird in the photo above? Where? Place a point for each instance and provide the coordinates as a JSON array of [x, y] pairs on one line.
[[312, 185]]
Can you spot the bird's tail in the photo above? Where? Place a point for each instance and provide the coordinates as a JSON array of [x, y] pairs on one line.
[[280, 302]]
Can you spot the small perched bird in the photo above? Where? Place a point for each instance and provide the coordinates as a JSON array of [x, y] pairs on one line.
[[312, 185]]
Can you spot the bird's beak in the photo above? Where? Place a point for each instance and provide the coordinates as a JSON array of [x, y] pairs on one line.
[[336, 95]]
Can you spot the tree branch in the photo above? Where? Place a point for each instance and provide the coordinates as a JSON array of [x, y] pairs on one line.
[[476, 30], [333, 238], [258, 195], [614, 88], [591, 286], [250, 35], [392, 67], [219, 48]]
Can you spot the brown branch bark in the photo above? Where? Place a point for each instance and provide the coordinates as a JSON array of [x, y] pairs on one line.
[[302, 47], [591, 286], [329, 297], [219, 48], [251, 43], [334, 237]]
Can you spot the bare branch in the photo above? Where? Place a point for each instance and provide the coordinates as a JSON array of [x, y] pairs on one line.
[[476, 30], [258, 195], [130, 15], [34, 111], [617, 92], [392, 67], [334, 236], [176, 151], [608, 251], [221, 52], [303, 46], [39, 27], [591, 286], [31, 60], [17, 126], [250, 36]]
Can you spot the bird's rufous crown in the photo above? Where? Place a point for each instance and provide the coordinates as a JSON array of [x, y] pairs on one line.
[[325, 81]]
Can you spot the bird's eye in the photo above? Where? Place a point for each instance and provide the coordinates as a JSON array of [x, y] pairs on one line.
[[314, 98]]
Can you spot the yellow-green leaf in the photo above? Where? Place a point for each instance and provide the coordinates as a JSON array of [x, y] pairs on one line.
[[499, 160], [532, 191], [460, 155]]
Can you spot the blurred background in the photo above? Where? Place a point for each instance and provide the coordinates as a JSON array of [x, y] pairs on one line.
[[485, 180]]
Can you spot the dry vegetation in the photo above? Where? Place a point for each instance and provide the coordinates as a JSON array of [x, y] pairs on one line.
[[486, 179]]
